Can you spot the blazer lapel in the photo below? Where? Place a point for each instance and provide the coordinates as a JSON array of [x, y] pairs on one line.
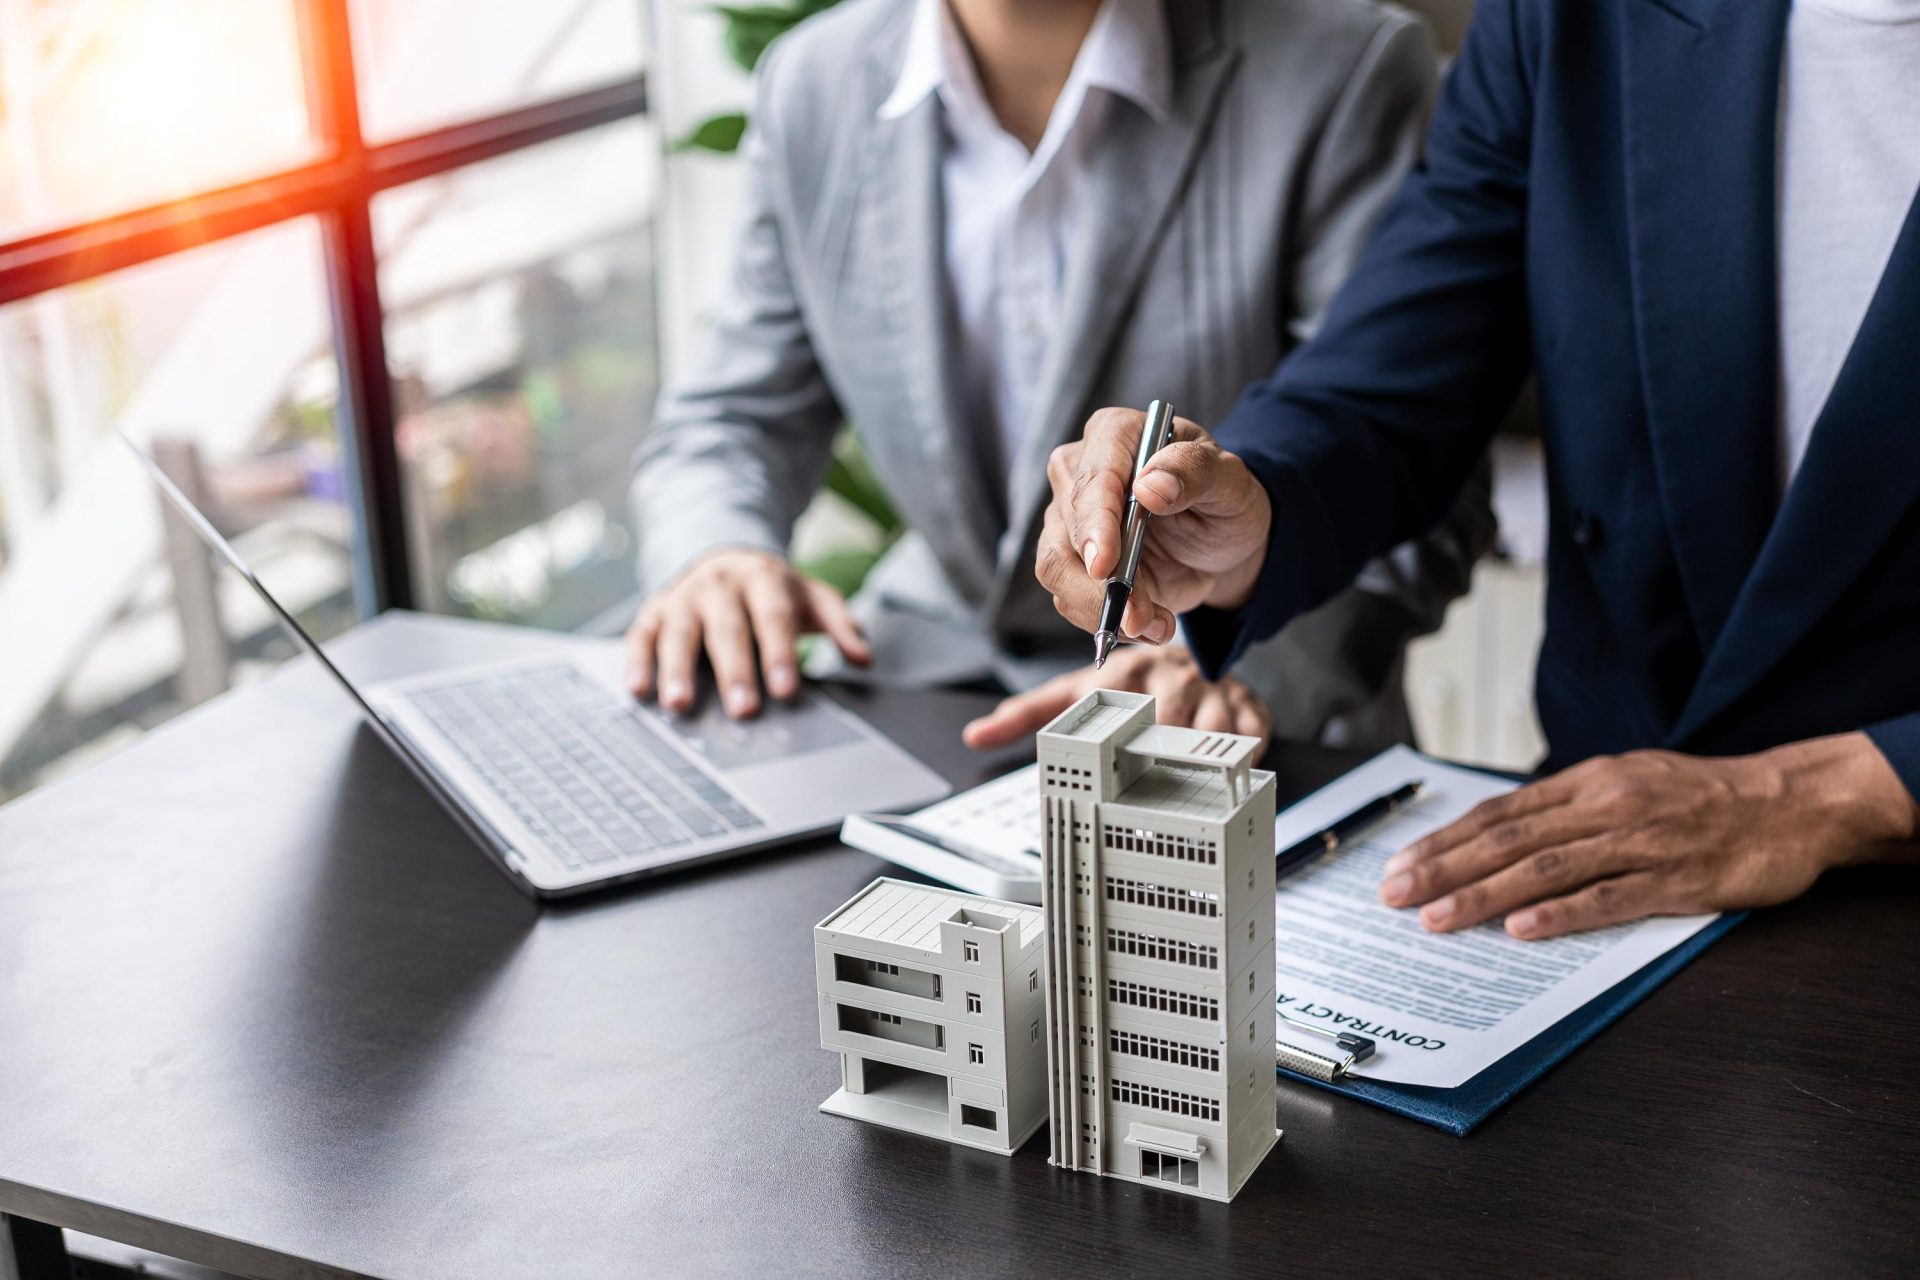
[[1702, 93], [1139, 171], [1860, 476], [898, 262]]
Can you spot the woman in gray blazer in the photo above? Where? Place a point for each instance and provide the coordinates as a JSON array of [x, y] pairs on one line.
[[970, 222]]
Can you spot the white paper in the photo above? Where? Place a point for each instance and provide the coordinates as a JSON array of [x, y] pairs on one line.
[[1440, 1007]]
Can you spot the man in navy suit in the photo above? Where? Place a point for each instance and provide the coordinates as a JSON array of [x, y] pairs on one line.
[[1694, 221]]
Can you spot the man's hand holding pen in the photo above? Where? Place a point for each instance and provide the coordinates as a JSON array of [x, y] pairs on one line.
[[1204, 546]]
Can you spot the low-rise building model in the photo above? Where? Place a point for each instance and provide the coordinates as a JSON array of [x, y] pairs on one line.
[[933, 1000]]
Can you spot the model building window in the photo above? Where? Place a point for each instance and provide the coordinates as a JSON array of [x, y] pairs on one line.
[[1033, 1033], [1033, 979], [1162, 1168], [972, 952], [976, 1055], [979, 1117], [973, 1002]]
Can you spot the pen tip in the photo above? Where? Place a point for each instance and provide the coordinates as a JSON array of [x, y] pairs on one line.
[[1102, 646]]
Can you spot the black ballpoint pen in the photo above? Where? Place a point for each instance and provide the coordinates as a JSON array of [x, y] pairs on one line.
[[1346, 828], [1153, 438]]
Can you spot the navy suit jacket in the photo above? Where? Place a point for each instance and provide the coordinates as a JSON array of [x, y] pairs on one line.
[[1597, 206]]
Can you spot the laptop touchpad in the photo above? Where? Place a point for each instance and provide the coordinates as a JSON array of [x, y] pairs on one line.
[[780, 731]]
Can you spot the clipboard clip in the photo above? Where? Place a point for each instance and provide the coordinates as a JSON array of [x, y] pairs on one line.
[[1319, 1066]]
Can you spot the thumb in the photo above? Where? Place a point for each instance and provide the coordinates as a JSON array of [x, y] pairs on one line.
[[1177, 478]]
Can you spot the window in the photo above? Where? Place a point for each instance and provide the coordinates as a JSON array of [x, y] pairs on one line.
[[976, 1055], [973, 1002], [1155, 1098], [1033, 979], [1180, 848], [979, 1118], [218, 361], [1160, 998], [424, 64], [522, 385], [1171, 950], [1165, 1168], [1033, 1032], [145, 101], [883, 975], [971, 950], [200, 246], [1192, 902], [890, 1026], [1159, 1049]]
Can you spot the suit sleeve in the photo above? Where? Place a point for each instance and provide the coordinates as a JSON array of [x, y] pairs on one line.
[[1344, 655], [1367, 435], [1899, 741], [738, 449]]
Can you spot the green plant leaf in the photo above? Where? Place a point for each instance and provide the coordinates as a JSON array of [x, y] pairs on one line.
[[851, 478], [751, 28], [844, 571], [720, 134]]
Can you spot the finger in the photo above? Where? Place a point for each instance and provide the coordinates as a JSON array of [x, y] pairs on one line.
[[1095, 478], [1250, 715], [1177, 691], [642, 636], [1493, 850], [1145, 619], [1024, 713], [1600, 904], [1178, 477], [831, 615], [1551, 872], [776, 630], [1060, 570], [1483, 817], [723, 619], [1215, 713], [678, 653]]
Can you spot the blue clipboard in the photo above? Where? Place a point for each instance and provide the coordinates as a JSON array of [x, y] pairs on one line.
[[1459, 1109]]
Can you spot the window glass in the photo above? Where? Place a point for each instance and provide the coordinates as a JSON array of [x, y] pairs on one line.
[[118, 104], [426, 63], [520, 335], [220, 360]]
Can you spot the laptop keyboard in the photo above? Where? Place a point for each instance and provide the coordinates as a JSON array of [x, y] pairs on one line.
[[578, 766]]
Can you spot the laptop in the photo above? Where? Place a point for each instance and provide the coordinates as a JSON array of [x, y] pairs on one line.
[[569, 784]]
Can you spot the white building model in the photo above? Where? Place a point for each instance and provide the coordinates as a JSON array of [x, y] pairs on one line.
[[933, 1001], [1158, 892]]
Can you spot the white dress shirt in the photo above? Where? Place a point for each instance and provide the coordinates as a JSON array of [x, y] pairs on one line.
[[1010, 214], [1849, 168]]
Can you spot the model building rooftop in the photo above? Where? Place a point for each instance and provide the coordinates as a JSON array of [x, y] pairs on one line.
[[1098, 714], [910, 915], [1188, 790]]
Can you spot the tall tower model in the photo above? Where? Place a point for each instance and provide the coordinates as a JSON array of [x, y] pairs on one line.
[[1158, 893]]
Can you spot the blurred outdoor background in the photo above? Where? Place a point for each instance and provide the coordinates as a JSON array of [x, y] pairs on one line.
[[389, 287]]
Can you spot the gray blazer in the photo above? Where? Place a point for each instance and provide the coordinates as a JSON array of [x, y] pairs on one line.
[[1213, 242]]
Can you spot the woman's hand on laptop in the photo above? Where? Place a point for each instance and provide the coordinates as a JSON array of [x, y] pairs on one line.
[[1184, 697], [747, 609]]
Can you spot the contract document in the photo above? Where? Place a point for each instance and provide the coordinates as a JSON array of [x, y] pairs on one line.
[[1440, 1008]]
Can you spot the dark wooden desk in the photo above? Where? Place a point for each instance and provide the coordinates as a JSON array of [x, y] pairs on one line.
[[262, 1008]]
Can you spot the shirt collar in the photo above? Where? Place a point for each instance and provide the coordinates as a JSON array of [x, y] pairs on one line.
[[1126, 52]]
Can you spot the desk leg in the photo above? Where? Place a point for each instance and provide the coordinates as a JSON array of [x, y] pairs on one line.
[[32, 1250]]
